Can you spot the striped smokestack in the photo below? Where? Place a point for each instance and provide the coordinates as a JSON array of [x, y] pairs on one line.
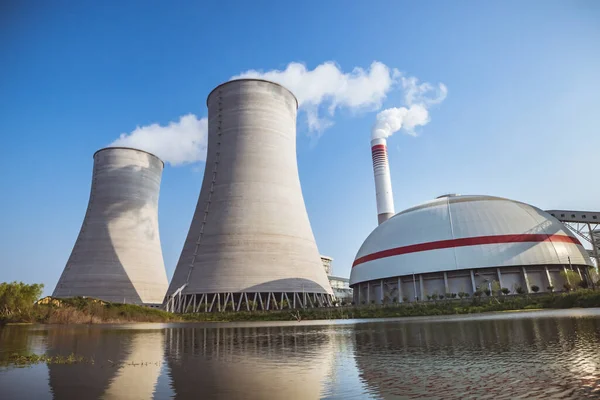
[[383, 183]]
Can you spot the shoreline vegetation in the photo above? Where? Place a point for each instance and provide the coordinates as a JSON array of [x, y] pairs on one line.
[[18, 305]]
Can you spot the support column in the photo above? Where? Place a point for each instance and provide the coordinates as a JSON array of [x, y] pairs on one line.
[[446, 286], [474, 286], [382, 291], [528, 288], [369, 292], [400, 290], [566, 274], [421, 286], [499, 278], [594, 246], [548, 276], [415, 287], [358, 296]]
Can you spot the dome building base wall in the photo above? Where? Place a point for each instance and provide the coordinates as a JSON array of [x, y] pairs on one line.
[[417, 287]]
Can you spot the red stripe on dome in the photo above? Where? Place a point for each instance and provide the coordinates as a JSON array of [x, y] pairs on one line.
[[462, 242]]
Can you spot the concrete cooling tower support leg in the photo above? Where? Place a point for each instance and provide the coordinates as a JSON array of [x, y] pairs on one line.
[[250, 244]]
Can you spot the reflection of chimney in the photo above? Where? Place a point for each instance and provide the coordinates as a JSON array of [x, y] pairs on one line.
[[383, 183]]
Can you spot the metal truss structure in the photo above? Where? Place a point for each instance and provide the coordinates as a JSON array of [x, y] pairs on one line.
[[244, 301], [586, 224]]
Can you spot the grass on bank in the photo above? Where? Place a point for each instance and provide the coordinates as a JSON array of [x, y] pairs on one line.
[[17, 306]]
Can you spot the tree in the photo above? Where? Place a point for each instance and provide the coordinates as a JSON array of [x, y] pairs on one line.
[[505, 291], [495, 287], [18, 297], [535, 288], [571, 279], [487, 292], [519, 290], [477, 293]]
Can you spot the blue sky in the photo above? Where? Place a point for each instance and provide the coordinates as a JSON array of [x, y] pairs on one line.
[[520, 119]]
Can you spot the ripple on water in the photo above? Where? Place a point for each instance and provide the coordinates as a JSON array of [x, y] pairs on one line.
[[546, 355]]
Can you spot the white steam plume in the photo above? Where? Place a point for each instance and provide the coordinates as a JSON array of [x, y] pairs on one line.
[[418, 98], [328, 86], [324, 89], [177, 143]]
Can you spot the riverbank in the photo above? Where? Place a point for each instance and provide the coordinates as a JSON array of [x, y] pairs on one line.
[[584, 298], [90, 311], [87, 311]]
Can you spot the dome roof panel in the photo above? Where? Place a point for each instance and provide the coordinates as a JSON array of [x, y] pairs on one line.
[[462, 232]]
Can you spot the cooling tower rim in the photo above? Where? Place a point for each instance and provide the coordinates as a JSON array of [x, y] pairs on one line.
[[255, 80], [129, 148]]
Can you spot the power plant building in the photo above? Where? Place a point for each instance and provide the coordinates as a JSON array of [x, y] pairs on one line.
[[250, 244], [464, 244], [117, 256]]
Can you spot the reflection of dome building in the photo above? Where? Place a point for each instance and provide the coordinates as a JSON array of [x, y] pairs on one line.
[[459, 243], [441, 358]]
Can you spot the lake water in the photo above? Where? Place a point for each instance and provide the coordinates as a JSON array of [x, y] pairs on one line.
[[545, 354]]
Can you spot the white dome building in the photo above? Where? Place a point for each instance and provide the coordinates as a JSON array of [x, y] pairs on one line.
[[460, 243]]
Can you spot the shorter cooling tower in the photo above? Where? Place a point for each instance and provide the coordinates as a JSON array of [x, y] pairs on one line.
[[250, 244], [117, 256]]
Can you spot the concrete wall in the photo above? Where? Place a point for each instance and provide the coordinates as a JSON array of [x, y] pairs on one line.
[[117, 256], [250, 231], [461, 281]]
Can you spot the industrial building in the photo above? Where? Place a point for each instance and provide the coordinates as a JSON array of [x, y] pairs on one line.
[[459, 244], [340, 286], [117, 256], [250, 244]]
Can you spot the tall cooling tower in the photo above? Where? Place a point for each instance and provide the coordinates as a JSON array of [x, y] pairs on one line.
[[250, 244], [117, 256]]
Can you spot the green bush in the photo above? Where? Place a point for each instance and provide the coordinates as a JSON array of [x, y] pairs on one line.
[[505, 291], [571, 279], [18, 298], [519, 290], [535, 288]]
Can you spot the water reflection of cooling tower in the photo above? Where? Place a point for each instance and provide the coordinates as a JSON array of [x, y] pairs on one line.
[[471, 358], [250, 363], [116, 373]]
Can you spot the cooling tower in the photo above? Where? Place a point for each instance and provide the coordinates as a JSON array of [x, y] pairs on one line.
[[117, 256], [383, 183], [250, 244]]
